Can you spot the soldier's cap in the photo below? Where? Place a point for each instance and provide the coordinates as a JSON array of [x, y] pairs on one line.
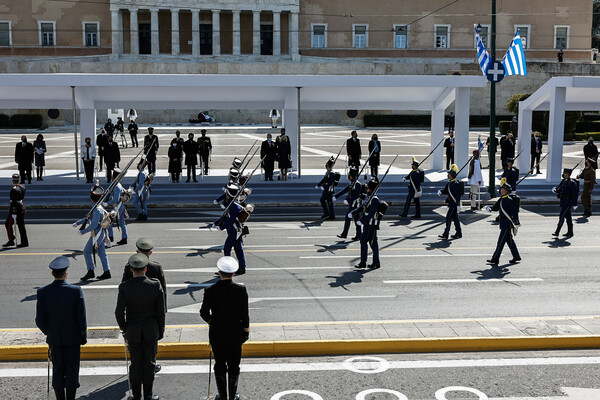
[[233, 172], [144, 244], [476, 152], [353, 171], [232, 189], [505, 185], [510, 160], [117, 171], [202, 130], [414, 162], [567, 171], [453, 170], [59, 263], [227, 264], [16, 176], [372, 184], [138, 261], [96, 190]]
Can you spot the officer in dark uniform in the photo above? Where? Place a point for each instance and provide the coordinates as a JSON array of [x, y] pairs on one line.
[[452, 190], [511, 173], [16, 214], [354, 190], [567, 191], [414, 187], [190, 148], [509, 223], [204, 148], [60, 315], [225, 309], [140, 313], [154, 271], [327, 185], [151, 156], [367, 218]]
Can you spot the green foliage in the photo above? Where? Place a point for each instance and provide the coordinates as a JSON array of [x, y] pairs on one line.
[[4, 120], [512, 106], [586, 135], [33, 121], [587, 126]]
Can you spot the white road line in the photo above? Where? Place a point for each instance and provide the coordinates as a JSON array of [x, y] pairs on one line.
[[318, 366], [464, 280], [211, 270], [402, 256], [169, 286], [259, 246]]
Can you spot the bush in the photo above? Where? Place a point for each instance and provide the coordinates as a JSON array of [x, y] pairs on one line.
[[424, 120], [504, 127], [584, 136], [591, 117], [587, 126], [4, 120], [33, 121]]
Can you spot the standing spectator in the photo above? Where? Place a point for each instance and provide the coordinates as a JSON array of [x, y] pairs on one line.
[[374, 161], [514, 126], [274, 115], [109, 127], [112, 156], [589, 180], [278, 138], [133, 131], [507, 149], [205, 148], [177, 139], [132, 115], [24, 158], [475, 179], [268, 153], [39, 146], [151, 156], [536, 152], [88, 155], [284, 156], [589, 151], [449, 145], [120, 128], [353, 151], [101, 142], [175, 152], [190, 148], [560, 56], [450, 120]]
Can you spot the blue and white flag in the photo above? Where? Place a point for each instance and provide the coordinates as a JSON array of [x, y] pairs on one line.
[[514, 59], [482, 54], [479, 145]]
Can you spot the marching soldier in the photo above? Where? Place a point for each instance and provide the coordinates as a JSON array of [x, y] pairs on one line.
[[154, 271], [151, 156], [414, 190], [140, 313], [354, 190], [16, 214], [511, 173], [327, 185], [509, 223], [60, 315], [204, 148], [225, 309], [567, 191], [453, 191], [370, 223], [141, 192], [118, 198], [233, 227], [589, 180], [98, 223]]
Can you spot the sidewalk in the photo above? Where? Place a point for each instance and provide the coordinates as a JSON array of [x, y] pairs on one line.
[[344, 337]]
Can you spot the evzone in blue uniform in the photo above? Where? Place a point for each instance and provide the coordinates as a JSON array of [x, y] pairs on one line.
[[116, 201], [60, 315], [354, 190], [368, 220], [98, 237], [140, 195], [509, 221], [453, 193], [511, 173], [327, 185], [414, 187], [567, 192], [234, 229]]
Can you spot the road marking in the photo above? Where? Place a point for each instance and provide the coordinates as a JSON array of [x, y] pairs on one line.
[[209, 269], [169, 286], [399, 255], [465, 280]]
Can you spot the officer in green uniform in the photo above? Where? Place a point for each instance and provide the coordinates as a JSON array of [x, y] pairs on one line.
[[154, 271]]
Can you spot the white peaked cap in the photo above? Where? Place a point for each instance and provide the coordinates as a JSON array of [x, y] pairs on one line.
[[227, 264]]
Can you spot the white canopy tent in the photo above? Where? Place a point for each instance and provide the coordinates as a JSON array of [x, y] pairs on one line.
[[290, 93], [558, 95]]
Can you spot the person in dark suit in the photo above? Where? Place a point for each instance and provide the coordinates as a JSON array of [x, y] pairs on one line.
[[151, 156], [24, 158], [112, 157], [140, 313], [133, 131], [190, 148], [536, 151], [109, 127], [175, 154], [507, 149], [449, 145], [101, 142], [451, 119], [225, 309], [268, 153], [60, 315], [204, 148], [353, 150], [590, 150], [568, 192], [375, 159], [155, 270], [16, 214]]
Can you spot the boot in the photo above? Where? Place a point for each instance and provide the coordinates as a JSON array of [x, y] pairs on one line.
[[105, 275], [89, 275], [71, 394], [148, 392], [122, 241], [60, 394], [10, 243], [221, 387], [233, 385], [136, 391]]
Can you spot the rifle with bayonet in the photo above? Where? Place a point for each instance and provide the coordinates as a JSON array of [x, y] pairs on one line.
[[431, 152], [249, 161], [530, 172], [249, 150], [144, 156], [375, 150], [365, 204]]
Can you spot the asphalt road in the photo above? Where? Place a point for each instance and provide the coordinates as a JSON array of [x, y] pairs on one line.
[[299, 271], [518, 376]]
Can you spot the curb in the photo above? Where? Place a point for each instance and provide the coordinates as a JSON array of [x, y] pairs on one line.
[[195, 350]]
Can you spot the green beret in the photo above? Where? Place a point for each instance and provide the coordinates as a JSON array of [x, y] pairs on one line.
[[138, 261], [144, 244]]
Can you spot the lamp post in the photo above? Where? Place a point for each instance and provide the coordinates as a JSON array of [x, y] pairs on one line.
[[492, 148]]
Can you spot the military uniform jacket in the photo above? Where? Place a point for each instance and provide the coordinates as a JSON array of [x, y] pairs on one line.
[[512, 176], [354, 190], [588, 175], [414, 178], [507, 204], [225, 309], [452, 190], [231, 221], [115, 198], [60, 314], [204, 145], [17, 194], [140, 309], [568, 193], [190, 148], [94, 222], [154, 271], [369, 218], [151, 156], [327, 183]]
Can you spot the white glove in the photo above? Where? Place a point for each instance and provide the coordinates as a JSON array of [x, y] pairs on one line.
[[75, 224], [104, 204], [404, 179], [222, 206], [317, 186], [458, 208], [346, 202], [80, 232], [322, 188], [14, 216], [554, 189], [574, 208], [334, 198], [488, 209], [215, 202], [350, 215], [358, 223], [439, 193]]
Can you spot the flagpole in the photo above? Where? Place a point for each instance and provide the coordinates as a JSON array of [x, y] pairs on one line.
[[492, 152]]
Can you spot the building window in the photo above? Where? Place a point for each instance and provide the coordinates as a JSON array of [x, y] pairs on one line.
[[442, 36], [524, 31], [400, 36], [484, 33], [47, 33], [561, 37], [360, 38], [318, 36], [5, 34], [91, 34]]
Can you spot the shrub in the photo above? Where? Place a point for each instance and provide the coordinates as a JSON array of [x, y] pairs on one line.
[[33, 121], [4, 120], [584, 136], [587, 126]]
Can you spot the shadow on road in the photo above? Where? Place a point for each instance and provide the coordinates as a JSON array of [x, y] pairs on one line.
[[117, 389], [348, 278], [492, 273], [311, 224], [557, 242], [202, 252], [339, 245], [192, 290]]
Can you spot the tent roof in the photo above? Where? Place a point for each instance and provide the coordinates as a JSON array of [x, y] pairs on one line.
[[582, 94]]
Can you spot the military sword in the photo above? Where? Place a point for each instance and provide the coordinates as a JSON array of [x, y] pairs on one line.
[[249, 161], [374, 192], [431, 152], [467, 163], [249, 150], [375, 149], [515, 159]]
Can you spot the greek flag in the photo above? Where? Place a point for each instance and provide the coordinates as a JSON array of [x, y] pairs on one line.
[[479, 145], [514, 59], [482, 54]]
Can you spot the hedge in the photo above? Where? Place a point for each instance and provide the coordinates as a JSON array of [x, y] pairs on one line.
[[4, 120], [33, 121], [587, 126], [591, 117], [584, 136], [423, 120], [504, 127]]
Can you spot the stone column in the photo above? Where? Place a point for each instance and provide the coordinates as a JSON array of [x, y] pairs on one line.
[[237, 46], [276, 33], [117, 31], [174, 31], [555, 133], [295, 37], [196, 32], [462, 104], [525, 119], [437, 134], [216, 33], [154, 30], [256, 32], [134, 31]]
